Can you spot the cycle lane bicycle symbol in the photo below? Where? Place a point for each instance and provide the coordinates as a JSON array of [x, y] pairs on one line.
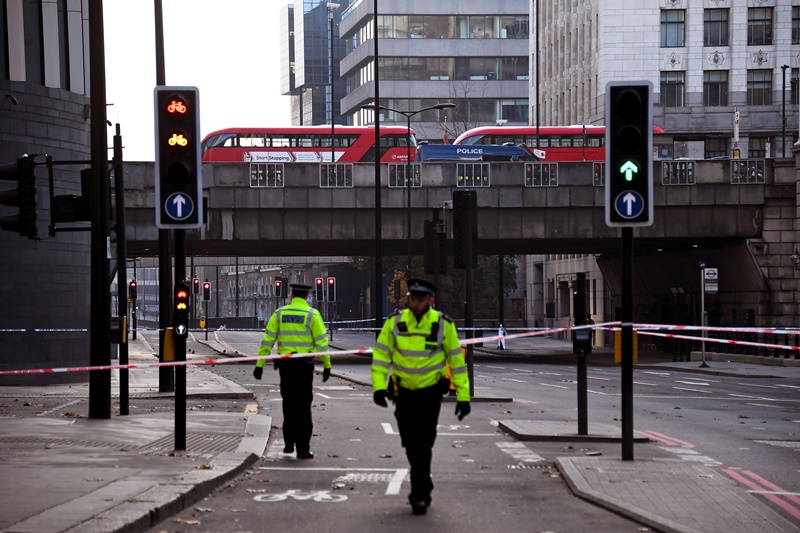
[[316, 495]]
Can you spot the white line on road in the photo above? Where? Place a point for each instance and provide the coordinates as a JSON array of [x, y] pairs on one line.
[[396, 482], [523, 370], [645, 383], [483, 376], [601, 379], [387, 428], [755, 385], [692, 390], [597, 392], [657, 373], [700, 383], [748, 397], [556, 386], [514, 380], [392, 489], [497, 367], [788, 386], [54, 409]]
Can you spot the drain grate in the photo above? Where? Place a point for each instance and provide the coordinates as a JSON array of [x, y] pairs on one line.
[[204, 443], [45, 441]]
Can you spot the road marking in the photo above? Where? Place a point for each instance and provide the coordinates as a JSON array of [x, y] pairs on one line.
[[520, 452], [523, 370], [788, 386], [786, 506], [693, 456], [54, 409], [645, 383], [514, 380], [693, 383], [749, 397], [692, 390], [325, 396], [657, 373], [597, 392], [519, 400], [556, 386], [398, 475], [660, 437], [765, 405], [601, 379], [497, 367], [483, 376], [387, 428], [755, 385]]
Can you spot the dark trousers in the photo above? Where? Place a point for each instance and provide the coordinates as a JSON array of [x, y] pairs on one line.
[[417, 414], [297, 376]]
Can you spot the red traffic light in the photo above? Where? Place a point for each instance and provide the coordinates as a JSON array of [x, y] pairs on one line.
[[182, 294], [331, 281], [206, 286], [177, 106]]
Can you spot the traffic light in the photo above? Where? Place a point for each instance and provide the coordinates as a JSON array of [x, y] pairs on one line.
[[132, 290], [180, 318], [278, 287], [435, 249], [206, 291], [23, 197], [331, 289], [179, 195], [629, 153], [195, 285], [319, 290], [465, 227]]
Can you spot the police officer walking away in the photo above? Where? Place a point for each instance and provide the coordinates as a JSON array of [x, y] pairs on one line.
[[297, 328], [415, 343]]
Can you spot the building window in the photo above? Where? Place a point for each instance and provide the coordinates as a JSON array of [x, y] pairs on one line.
[[673, 28], [795, 24], [757, 147], [672, 89], [759, 87], [715, 27], [759, 25], [793, 92], [715, 88], [716, 148]]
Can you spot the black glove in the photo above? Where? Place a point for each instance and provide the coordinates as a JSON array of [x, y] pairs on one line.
[[257, 372], [462, 410], [380, 398], [326, 374]]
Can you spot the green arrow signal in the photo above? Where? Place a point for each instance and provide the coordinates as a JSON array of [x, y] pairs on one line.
[[629, 169]]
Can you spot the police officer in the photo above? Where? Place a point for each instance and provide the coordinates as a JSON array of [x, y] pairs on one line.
[[415, 343], [297, 328]]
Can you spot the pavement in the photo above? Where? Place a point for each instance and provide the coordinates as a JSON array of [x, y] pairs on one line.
[[80, 475]]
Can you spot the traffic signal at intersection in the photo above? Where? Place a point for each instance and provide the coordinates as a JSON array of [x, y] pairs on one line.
[[180, 317], [331, 289], [132, 290], [179, 194], [23, 197], [629, 153], [195, 285], [206, 291], [319, 289]]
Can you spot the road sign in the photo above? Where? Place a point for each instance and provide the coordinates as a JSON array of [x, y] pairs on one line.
[[711, 280], [629, 205]]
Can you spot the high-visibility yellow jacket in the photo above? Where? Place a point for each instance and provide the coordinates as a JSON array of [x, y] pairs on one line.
[[297, 328], [416, 353]]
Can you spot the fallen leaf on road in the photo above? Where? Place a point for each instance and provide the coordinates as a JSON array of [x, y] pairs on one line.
[[204, 467], [238, 510], [94, 479], [203, 510], [187, 522]]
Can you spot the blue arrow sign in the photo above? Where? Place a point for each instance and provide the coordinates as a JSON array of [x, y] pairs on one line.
[[629, 204], [179, 206]]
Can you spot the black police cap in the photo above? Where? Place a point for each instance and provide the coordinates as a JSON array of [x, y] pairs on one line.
[[300, 287], [421, 286]]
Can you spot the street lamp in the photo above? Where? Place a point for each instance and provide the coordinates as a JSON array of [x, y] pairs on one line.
[[332, 6], [408, 115]]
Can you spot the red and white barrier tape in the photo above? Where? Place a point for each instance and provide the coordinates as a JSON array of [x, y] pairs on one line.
[[720, 341]]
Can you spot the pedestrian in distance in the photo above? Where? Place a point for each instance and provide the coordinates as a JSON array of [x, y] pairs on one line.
[[297, 328], [416, 344], [501, 343]]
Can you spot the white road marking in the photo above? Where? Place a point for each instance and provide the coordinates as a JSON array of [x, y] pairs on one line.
[[58, 408], [556, 386], [765, 405], [325, 396], [645, 383], [693, 383], [657, 373], [520, 452], [693, 390], [497, 367], [755, 385], [601, 379], [523, 370], [597, 392], [749, 397], [393, 488], [387, 428], [788, 386], [483, 376], [397, 481], [514, 380]]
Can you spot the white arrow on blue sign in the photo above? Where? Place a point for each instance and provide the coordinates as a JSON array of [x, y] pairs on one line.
[[629, 204], [179, 206]]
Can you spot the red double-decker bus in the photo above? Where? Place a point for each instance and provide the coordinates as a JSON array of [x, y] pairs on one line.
[[307, 144], [560, 143]]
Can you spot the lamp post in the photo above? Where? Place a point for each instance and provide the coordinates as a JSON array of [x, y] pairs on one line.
[[783, 112], [408, 115], [332, 6]]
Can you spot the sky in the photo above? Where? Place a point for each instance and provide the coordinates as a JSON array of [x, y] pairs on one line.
[[229, 50]]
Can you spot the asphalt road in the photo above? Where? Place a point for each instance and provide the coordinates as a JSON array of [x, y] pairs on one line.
[[744, 427]]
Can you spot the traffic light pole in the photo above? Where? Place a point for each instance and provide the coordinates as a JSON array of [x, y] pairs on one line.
[[469, 305], [627, 344], [122, 272], [180, 350]]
